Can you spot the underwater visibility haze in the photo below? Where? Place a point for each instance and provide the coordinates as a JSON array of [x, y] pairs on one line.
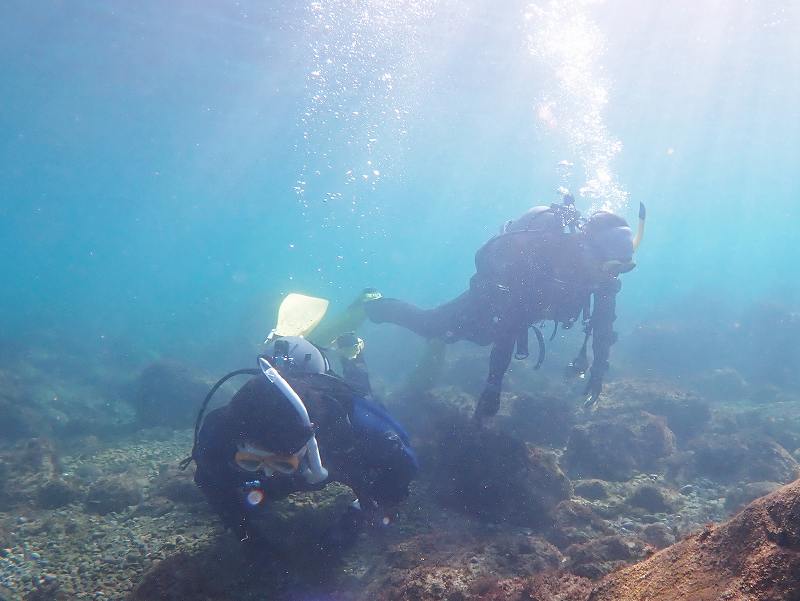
[[171, 171]]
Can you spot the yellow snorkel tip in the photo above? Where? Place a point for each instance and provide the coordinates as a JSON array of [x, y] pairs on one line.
[[640, 230]]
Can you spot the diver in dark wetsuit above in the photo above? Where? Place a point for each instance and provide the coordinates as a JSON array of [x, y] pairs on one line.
[[550, 264]]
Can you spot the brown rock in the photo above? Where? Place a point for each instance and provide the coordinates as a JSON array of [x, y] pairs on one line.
[[617, 447], [753, 557], [738, 457], [495, 476], [594, 490], [575, 522], [600, 556], [739, 496], [658, 535], [654, 499]]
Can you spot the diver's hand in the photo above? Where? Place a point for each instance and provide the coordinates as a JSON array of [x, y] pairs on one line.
[[575, 370], [489, 402], [594, 387]]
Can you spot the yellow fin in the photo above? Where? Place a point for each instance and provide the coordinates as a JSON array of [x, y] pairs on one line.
[[299, 314]]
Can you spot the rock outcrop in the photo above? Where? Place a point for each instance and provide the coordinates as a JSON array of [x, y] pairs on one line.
[[753, 557], [617, 447]]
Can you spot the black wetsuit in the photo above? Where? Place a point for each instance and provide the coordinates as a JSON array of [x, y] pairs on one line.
[[360, 445], [530, 273]]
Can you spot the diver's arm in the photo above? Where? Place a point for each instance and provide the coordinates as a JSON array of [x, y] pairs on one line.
[[355, 373], [603, 336]]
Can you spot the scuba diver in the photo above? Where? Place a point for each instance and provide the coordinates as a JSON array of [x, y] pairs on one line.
[[549, 264], [295, 426]]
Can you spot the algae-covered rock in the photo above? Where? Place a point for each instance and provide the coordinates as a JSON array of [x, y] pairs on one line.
[[753, 557], [659, 535], [742, 457], [615, 448], [495, 476], [176, 485], [168, 394], [599, 556], [742, 495], [686, 413], [592, 489], [575, 522], [540, 419], [654, 499], [112, 494], [56, 493], [302, 520]]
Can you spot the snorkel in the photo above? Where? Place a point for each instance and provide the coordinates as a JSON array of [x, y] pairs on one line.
[[637, 240], [313, 472]]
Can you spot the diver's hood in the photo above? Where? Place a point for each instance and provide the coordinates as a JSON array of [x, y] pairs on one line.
[[609, 237], [294, 356], [312, 469]]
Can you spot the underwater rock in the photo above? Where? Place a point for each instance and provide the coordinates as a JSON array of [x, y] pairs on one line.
[[548, 484], [56, 493], [575, 522], [654, 499], [475, 558], [495, 476], [176, 485], [112, 494], [724, 383], [599, 556], [48, 590], [593, 490], [742, 457], [540, 419], [659, 535], [23, 468], [168, 394], [678, 345], [687, 414], [430, 583], [18, 420], [753, 557], [551, 586], [779, 421], [617, 447], [739, 496], [302, 520]]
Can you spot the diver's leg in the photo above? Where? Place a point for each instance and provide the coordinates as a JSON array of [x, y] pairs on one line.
[[425, 322], [443, 321]]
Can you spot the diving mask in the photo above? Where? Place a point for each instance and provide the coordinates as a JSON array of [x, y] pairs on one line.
[[252, 459], [616, 267]]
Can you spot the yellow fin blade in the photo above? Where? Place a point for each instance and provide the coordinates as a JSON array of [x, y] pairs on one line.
[[299, 314]]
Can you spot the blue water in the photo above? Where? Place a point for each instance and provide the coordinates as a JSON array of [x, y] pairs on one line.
[[151, 152]]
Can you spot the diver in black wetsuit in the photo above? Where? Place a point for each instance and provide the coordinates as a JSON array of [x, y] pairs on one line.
[[295, 427], [547, 265]]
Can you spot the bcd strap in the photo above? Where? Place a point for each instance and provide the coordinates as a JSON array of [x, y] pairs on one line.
[[540, 340], [522, 346], [252, 372]]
